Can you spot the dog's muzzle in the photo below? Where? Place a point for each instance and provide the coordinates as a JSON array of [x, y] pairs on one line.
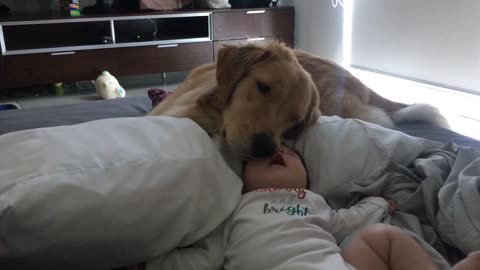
[[263, 145]]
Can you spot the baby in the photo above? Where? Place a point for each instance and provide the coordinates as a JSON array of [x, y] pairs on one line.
[[279, 224]]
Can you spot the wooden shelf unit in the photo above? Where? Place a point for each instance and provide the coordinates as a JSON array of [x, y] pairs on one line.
[[46, 49]]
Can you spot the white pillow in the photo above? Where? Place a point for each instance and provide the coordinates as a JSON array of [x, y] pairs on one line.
[[338, 151], [344, 155], [109, 193]]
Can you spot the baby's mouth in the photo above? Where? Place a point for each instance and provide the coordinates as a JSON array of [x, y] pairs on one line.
[[277, 159]]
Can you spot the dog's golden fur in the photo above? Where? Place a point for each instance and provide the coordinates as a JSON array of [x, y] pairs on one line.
[[271, 90]]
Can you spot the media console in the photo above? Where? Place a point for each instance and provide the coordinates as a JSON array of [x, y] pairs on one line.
[[42, 49]]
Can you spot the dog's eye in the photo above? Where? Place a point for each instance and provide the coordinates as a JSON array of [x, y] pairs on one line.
[[263, 88]]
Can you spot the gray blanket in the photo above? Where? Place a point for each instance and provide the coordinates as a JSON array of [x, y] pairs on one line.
[[434, 185], [437, 196]]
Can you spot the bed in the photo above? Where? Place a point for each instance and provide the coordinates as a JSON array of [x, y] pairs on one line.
[[14, 120], [388, 155]]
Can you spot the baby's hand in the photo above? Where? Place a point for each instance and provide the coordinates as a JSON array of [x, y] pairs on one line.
[[391, 206]]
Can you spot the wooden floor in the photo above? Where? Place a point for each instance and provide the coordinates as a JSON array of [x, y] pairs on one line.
[[85, 91]]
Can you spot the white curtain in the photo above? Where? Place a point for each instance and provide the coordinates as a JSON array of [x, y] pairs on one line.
[[436, 41]]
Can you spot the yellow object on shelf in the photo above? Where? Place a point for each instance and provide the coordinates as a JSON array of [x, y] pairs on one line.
[[70, 7], [59, 91]]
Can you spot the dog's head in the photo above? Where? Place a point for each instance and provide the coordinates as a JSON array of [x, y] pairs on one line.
[[264, 95]]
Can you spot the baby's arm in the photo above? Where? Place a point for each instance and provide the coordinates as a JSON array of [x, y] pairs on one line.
[[367, 211]]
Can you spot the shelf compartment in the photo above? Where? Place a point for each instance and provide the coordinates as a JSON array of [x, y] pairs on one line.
[[35, 37], [187, 28]]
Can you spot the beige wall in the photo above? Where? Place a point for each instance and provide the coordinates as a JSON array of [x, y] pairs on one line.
[[319, 28]]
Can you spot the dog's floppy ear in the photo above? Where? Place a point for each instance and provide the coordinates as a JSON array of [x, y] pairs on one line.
[[233, 62], [313, 108], [311, 115]]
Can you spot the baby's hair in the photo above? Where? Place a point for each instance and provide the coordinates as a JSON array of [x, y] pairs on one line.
[[244, 162]]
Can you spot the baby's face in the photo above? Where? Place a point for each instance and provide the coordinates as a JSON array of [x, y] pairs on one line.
[[282, 170]]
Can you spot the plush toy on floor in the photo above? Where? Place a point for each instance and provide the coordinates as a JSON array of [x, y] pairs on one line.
[[108, 86]]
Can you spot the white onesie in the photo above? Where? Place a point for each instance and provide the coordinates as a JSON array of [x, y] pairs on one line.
[[278, 229]]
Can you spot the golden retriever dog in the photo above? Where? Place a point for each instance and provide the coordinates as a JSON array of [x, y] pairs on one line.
[[256, 95]]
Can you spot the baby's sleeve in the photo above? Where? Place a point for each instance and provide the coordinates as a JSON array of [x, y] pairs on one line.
[[344, 222]]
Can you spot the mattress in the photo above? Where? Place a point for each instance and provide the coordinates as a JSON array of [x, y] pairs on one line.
[[14, 120]]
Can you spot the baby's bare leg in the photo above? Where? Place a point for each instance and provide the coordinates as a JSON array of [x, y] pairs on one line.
[[382, 246], [471, 262]]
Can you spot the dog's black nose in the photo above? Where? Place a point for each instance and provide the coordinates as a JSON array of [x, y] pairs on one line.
[[263, 145]]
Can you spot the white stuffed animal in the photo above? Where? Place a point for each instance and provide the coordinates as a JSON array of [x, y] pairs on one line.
[[108, 87]]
